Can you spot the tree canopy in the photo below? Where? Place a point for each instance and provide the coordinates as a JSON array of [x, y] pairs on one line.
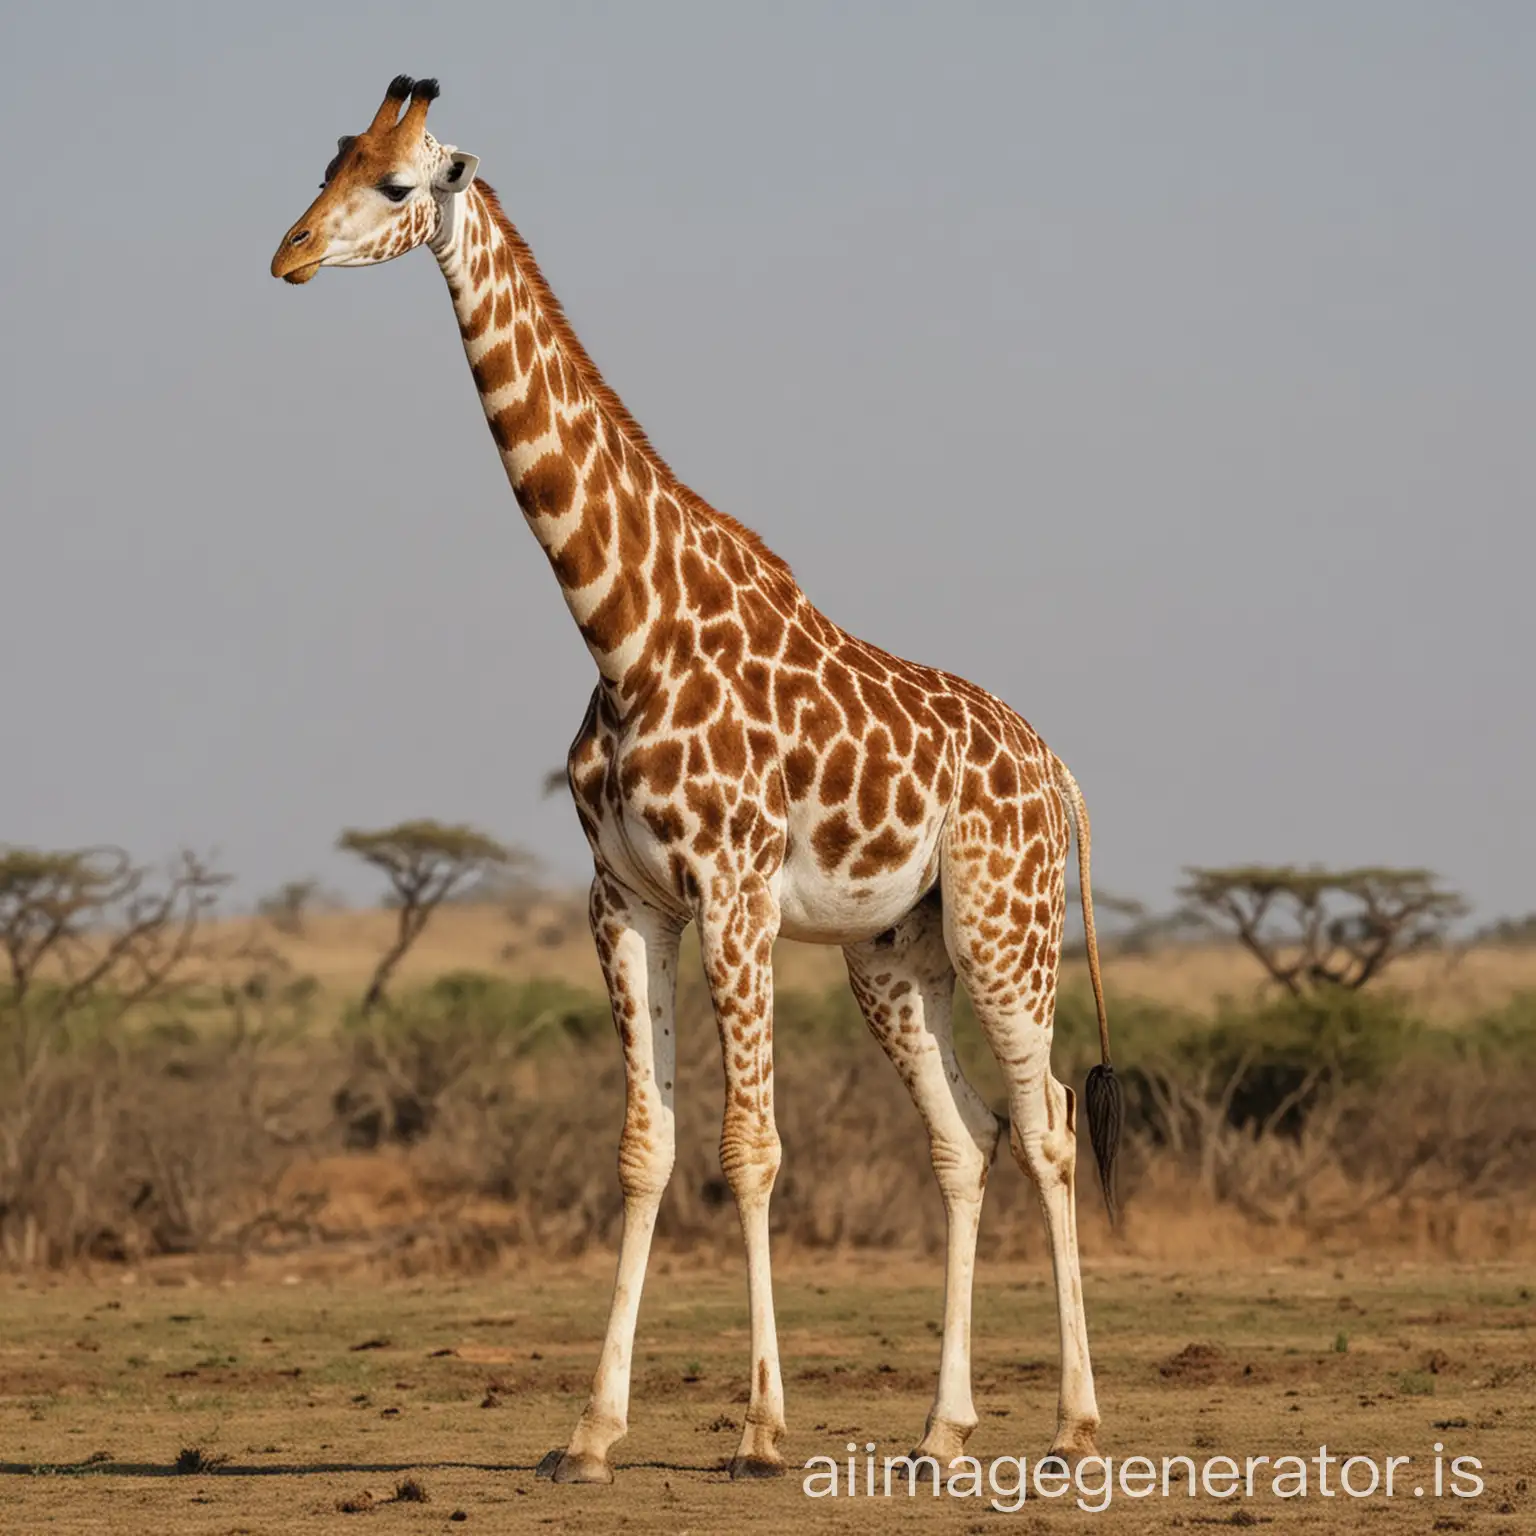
[[94, 917], [426, 862], [1318, 927]]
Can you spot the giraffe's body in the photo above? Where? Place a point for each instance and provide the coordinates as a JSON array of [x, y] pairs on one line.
[[746, 765], [846, 802]]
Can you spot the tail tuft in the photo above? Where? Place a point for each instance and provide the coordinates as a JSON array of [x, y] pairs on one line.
[[1106, 1099], [1106, 1115]]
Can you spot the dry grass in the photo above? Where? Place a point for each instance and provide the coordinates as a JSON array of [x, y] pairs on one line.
[[515, 1154], [440, 1139], [483, 1118], [340, 949], [101, 1386]]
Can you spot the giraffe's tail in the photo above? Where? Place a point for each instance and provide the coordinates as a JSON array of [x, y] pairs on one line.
[[1106, 1103]]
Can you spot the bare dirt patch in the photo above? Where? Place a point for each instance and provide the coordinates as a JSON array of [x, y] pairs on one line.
[[246, 1405]]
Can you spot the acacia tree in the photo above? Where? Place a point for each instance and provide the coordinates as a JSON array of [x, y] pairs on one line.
[[1314, 928], [288, 907], [90, 924], [425, 862]]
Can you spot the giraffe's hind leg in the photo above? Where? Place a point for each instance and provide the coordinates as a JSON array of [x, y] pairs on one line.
[[1003, 929], [904, 984]]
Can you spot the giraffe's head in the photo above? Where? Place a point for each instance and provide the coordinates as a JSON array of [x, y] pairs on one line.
[[384, 193]]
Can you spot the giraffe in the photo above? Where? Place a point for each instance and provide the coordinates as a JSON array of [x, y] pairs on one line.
[[746, 765]]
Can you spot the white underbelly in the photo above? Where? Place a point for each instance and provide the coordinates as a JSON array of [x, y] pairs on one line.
[[817, 908]]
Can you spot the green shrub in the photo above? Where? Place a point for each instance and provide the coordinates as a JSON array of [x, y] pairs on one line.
[[1509, 1031], [522, 1015]]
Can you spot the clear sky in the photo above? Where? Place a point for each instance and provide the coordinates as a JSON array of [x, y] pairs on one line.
[[1168, 369]]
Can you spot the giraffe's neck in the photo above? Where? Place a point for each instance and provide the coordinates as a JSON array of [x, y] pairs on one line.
[[599, 500]]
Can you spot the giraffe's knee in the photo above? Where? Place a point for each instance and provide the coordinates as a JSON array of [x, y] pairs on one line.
[[964, 1148], [960, 1164], [1042, 1131], [647, 1150], [750, 1154]]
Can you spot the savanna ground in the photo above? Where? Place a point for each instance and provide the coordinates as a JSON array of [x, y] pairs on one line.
[[276, 1266], [294, 1401]]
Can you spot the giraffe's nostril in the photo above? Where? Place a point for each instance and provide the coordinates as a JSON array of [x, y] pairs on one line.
[[298, 237]]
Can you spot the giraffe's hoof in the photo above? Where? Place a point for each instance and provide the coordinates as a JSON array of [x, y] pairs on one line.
[[942, 1456], [943, 1441], [744, 1467], [1065, 1458], [562, 1467]]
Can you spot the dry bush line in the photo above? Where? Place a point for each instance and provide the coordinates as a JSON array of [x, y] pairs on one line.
[[227, 1142], [1437, 1137], [130, 1147]]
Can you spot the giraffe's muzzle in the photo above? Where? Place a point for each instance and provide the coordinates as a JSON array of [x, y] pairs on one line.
[[297, 258]]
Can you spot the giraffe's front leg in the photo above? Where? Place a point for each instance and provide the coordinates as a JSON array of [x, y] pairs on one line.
[[736, 937], [638, 950]]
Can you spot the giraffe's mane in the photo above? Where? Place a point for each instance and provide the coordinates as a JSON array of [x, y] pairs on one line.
[[605, 396]]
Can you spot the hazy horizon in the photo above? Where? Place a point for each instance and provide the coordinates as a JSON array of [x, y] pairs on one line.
[[1167, 371]]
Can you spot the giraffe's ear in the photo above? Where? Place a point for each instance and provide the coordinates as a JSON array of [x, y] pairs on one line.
[[458, 171], [343, 144]]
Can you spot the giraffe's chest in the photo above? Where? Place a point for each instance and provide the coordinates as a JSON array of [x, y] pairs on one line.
[[636, 841]]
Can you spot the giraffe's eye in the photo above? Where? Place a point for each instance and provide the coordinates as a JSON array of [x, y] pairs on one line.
[[395, 194]]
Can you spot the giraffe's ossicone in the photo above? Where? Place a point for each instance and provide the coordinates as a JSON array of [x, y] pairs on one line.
[[746, 765]]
